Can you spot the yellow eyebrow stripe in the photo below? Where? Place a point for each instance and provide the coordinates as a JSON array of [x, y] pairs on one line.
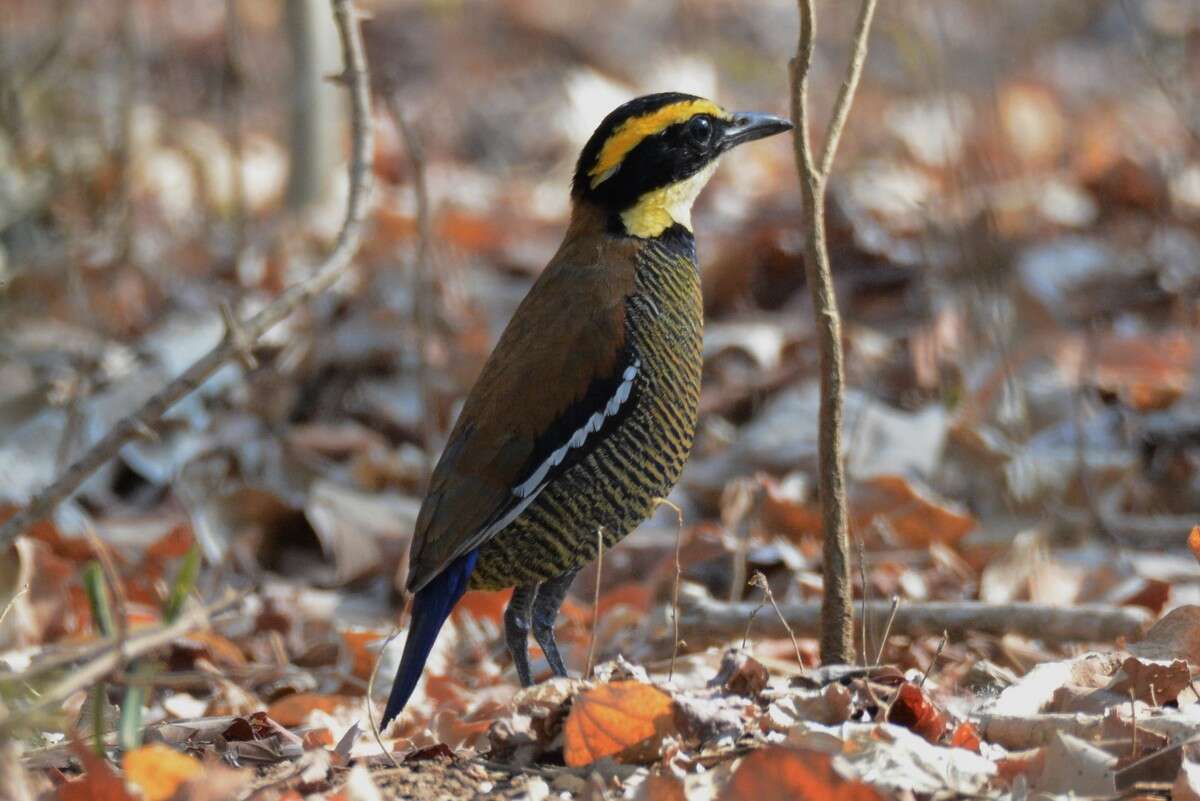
[[629, 133]]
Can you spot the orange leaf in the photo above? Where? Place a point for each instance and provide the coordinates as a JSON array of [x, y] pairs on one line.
[[172, 545], [778, 773], [294, 709], [362, 657], [625, 720], [913, 710], [483, 605], [633, 594], [221, 650], [662, 787], [965, 736], [318, 738], [99, 781], [917, 518], [158, 770], [1194, 542]]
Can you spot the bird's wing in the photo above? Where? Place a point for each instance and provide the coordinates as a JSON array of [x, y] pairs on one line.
[[562, 370]]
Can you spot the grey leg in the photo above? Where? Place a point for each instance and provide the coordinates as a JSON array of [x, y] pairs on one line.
[[516, 630], [550, 595]]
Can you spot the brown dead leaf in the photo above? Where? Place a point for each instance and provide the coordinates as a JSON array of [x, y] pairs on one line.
[[294, 709], [320, 737], [1152, 682], [1175, 636], [1148, 372], [158, 770], [625, 720], [99, 781], [633, 594], [215, 783], [1028, 763], [786, 774], [171, 546], [740, 674], [917, 517], [1074, 765], [661, 787], [829, 705], [220, 650], [1187, 783], [908, 513], [913, 710]]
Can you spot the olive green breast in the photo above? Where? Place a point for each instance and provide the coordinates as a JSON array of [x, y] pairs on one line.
[[613, 489]]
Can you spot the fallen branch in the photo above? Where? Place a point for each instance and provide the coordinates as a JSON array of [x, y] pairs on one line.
[[837, 635], [1021, 732], [113, 654], [706, 620], [250, 331]]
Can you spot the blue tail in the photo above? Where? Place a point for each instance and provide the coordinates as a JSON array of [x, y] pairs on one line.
[[430, 609]]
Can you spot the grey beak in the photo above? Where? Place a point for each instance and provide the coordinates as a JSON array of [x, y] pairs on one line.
[[747, 126]]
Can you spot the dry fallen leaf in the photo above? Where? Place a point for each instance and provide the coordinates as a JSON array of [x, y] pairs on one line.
[[661, 787], [1187, 783], [625, 720], [158, 771], [1152, 682], [786, 774], [1175, 636], [99, 781], [294, 709], [965, 736], [913, 710]]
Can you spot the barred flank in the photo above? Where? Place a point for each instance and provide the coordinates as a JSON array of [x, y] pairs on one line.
[[613, 489]]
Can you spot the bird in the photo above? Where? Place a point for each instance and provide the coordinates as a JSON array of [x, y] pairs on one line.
[[584, 413]]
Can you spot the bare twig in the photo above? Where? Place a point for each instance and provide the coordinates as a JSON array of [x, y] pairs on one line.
[[371, 698], [232, 90], [243, 346], [117, 652], [1024, 731], [837, 635], [421, 288], [151, 413], [936, 655], [862, 573], [753, 613], [760, 581], [587, 671], [13, 600], [678, 576], [130, 57], [706, 619], [1133, 721], [887, 630], [845, 97]]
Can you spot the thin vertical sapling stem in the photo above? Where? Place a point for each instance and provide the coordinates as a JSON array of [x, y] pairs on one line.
[[837, 615]]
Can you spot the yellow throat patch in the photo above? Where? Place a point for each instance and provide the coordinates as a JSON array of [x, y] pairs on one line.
[[659, 209], [630, 133]]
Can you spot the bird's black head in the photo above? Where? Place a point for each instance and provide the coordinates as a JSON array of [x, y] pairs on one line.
[[650, 157]]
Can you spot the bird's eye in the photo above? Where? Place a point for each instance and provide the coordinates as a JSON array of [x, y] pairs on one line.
[[699, 129]]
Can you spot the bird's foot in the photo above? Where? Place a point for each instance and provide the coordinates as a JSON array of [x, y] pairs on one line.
[[516, 630], [550, 595]]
